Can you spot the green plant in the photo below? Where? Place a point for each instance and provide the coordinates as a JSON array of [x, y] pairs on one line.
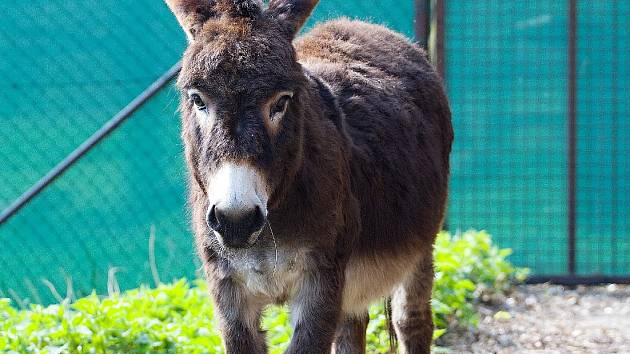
[[468, 265], [179, 318], [170, 318]]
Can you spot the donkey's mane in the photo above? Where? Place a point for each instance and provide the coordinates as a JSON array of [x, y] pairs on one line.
[[240, 8]]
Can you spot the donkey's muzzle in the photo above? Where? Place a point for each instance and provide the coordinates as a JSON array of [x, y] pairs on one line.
[[236, 228]]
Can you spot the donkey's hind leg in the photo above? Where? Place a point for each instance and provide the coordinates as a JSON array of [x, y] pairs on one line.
[[411, 310], [350, 336]]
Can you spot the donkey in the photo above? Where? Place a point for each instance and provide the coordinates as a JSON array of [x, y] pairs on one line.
[[318, 171]]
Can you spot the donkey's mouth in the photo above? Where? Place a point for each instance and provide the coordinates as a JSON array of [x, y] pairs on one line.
[[235, 243]]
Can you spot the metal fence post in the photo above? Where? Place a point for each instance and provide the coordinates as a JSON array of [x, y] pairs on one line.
[[437, 37], [572, 136], [421, 21]]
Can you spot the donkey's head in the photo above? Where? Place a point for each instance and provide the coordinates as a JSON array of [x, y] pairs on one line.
[[242, 118]]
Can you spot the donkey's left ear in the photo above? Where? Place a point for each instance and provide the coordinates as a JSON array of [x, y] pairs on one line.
[[192, 14], [291, 13]]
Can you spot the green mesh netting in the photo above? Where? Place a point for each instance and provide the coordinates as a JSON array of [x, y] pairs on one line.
[[66, 68], [507, 69]]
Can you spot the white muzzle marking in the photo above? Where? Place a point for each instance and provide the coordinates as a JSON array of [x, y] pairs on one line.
[[237, 188]]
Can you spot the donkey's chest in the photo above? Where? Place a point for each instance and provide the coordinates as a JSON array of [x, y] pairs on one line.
[[270, 275]]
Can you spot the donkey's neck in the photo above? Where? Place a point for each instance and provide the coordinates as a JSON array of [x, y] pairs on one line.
[[321, 179]]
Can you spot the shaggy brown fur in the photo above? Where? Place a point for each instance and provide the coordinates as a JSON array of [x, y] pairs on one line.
[[356, 170]]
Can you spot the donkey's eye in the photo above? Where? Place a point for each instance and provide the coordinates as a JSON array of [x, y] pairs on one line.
[[280, 106], [196, 99]]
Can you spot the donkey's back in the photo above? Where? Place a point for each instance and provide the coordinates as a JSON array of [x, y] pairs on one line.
[[398, 120]]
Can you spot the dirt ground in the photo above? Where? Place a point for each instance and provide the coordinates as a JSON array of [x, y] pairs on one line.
[[550, 319]]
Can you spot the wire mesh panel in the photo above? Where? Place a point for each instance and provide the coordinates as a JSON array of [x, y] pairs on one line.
[[507, 73], [100, 214], [603, 142], [506, 77], [66, 68]]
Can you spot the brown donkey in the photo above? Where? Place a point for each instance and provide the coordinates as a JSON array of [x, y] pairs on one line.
[[318, 171]]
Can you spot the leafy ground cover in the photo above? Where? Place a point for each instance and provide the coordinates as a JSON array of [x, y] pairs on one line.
[[179, 318]]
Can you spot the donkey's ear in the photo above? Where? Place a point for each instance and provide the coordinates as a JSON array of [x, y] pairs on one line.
[[192, 14], [291, 13]]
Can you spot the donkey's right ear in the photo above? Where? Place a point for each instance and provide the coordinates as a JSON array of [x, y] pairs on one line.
[[192, 14]]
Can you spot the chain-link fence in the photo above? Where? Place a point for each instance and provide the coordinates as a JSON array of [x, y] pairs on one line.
[[540, 92], [65, 69]]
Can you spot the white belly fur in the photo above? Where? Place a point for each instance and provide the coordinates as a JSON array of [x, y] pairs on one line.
[[369, 279]]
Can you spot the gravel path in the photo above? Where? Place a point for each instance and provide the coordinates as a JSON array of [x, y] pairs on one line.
[[550, 319]]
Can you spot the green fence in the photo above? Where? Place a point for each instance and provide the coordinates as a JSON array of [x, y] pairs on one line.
[[66, 68], [507, 67]]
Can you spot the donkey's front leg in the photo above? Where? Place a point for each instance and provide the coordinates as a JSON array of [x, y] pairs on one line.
[[239, 318], [315, 311]]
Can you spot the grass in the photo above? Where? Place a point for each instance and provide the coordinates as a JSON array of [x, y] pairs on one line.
[[179, 317]]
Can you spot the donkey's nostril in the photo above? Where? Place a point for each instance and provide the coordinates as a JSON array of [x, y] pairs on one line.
[[212, 219]]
